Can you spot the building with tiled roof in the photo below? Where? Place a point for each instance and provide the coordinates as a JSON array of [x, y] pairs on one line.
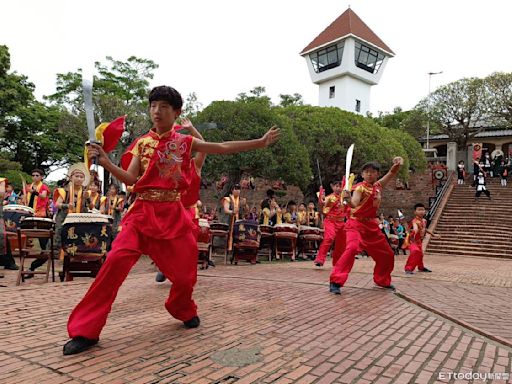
[[346, 60]]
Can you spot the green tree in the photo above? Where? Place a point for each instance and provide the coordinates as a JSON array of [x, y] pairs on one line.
[[120, 88], [31, 133], [289, 100], [499, 97], [191, 106], [458, 108], [328, 132], [250, 119]]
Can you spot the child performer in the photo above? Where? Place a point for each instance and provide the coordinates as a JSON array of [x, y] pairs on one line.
[[70, 199], [418, 228], [362, 228], [157, 223], [191, 195], [334, 225], [481, 187], [96, 201]]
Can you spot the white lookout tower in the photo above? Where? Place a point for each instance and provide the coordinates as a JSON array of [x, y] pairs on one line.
[[345, 60]]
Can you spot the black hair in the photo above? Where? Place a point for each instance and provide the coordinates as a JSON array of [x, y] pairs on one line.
[[270, 193], [236, 186], [166, 93], [419, 205], [37, 170], [371, 165], [115, 186]]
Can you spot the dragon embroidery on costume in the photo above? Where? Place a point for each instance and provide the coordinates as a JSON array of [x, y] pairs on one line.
[[170, 160]]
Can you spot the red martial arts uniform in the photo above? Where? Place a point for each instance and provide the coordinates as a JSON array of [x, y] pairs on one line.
[[156, 225], [415, 258], [334, 229], [362, 232]]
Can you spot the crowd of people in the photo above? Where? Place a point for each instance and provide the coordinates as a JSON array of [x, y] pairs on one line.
[[79, 192]]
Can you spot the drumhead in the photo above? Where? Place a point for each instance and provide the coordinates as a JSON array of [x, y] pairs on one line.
[[204, 223], [74, 218], [18, 208], [45, 219]]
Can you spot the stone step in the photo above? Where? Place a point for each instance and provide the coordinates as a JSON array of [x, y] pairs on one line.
[[470, 227], [471, 245], [470, 237], [441, 254], [469, 252]]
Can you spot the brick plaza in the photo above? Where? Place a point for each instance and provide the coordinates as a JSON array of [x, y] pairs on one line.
[[272, 323]]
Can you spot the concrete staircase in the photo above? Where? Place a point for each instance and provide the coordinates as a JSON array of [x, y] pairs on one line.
[[475, 228]]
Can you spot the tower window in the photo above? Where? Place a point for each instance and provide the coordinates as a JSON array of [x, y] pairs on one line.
[[327, 58], [367, 58], [358, 105], [332, 92]]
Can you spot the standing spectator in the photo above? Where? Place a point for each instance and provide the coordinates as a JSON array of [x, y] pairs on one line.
[[487, 164], [503, 172], [460, 173], [400, 232]]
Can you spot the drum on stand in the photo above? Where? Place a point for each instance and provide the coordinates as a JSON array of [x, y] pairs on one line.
[[309, 240], [37, 223], [285, 239], [86, 237], [267, 239], [13, 214], [246, 241]]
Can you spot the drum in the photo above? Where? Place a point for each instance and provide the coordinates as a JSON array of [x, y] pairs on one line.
[[305, 230], [86, 233], [204, 232], [246, 241], [286, 230], [285, 239], [37, 223], [219, 227], [13, 214], [246, 234], [266, 230]]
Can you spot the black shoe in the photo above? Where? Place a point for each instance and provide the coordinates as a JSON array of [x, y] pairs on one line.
[[192, 323], [78, 345], [26, 277], [318, 264], [335, 288], [12, 267], [160, 277], [211, 263], [425, 270]]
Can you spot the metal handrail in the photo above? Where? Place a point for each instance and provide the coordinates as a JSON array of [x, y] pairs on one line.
[[439, 197]]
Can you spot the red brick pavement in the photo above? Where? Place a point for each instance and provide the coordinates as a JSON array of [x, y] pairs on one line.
[[281, 312]]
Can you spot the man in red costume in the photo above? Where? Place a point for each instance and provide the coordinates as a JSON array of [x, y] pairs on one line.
[[157, 165], [418, 228], [334, 225], [362, 229]]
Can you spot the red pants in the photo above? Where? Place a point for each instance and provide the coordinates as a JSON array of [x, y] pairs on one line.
[[367, 236], [176, 258], [415, 258], [333, 231]]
